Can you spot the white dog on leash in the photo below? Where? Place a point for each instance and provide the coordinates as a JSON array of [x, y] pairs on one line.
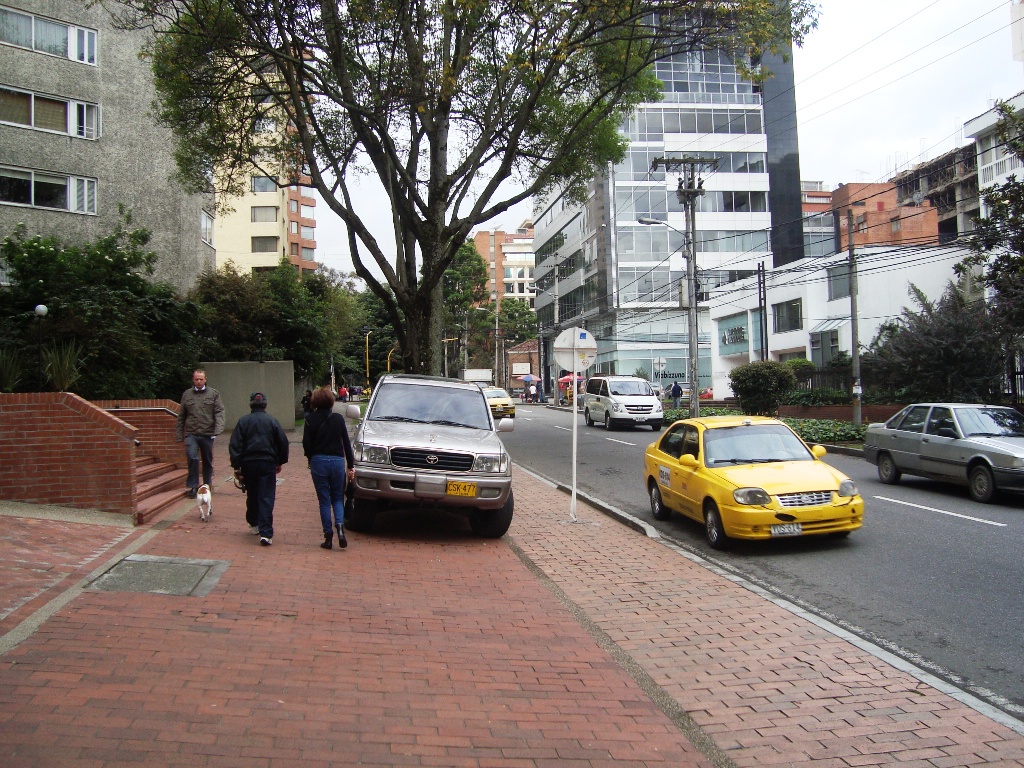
[[205, 501]]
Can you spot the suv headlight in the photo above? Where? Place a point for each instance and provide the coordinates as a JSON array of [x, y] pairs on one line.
[[371, 454], [657, 407], [847, 488], [752, 497], [491, 463]]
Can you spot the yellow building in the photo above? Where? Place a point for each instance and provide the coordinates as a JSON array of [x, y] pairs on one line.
[[273, 220]]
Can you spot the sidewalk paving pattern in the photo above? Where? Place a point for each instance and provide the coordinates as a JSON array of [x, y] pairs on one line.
[[581, 644]]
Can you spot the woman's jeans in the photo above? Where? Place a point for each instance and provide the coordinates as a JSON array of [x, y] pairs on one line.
[[329, 480]]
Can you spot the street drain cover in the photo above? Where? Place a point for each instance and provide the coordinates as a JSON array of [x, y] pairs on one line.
[[161, 575]]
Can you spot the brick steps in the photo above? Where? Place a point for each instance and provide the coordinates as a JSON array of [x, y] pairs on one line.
[[158, 485]]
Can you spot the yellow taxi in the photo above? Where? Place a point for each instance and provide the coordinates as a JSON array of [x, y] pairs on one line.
[[748, 477], [501, 403]]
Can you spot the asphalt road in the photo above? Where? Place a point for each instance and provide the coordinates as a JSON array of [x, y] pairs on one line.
[[933, 576]]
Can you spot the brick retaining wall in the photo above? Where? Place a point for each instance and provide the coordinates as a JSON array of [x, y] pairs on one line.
[[56, 448], [868, 413]]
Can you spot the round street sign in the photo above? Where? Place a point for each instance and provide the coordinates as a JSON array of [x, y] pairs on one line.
[[575, 349]]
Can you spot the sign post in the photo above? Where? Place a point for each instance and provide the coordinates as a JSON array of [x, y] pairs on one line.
[[575, 349]]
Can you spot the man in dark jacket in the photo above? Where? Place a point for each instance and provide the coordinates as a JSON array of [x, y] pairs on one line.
[[258, 448]]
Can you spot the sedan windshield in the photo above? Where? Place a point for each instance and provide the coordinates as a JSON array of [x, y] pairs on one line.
[[990, 422], [753, 444], [448, 406]]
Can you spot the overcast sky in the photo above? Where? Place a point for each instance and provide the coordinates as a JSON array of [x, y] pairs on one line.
[[880, 85]]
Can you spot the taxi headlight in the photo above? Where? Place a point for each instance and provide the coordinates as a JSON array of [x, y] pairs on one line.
[[847, 488], [371, 454], [491, 463], [752, 497]]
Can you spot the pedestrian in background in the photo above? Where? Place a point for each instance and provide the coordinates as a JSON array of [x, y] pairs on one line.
[[258, 448], [677, 394], [200, 419], [326, 443], [307, 409]]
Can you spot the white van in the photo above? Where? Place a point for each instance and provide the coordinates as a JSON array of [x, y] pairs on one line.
[[620, 401]]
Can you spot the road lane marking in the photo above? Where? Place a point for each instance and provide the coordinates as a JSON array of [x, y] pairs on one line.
[[621, 442], [942, 511], [565, 428]]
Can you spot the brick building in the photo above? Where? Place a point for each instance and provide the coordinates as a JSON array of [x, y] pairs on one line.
[[879, 219]]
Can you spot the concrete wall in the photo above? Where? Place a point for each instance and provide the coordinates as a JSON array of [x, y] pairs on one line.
[[236, 381], [132, 160]]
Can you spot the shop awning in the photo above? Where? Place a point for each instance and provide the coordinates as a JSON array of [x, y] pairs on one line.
[[830, 324]]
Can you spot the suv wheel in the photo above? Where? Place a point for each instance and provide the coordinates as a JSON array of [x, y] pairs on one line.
[[364, 513], [492, 523], [586, 417]]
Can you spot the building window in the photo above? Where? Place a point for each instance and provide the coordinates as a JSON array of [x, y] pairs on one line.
[[824, 347], [838, 282], [308, 212], [264, 244], [896, 225], [263, 184], [264, 213], [206, 227], [47, 190], [46, 36], [293, 249], [49, 114], [787, 316], [293, 206], [309, 254], [307, 233], [293, 227]]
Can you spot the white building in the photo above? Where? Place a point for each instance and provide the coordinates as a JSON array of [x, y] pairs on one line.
[[808, 304]]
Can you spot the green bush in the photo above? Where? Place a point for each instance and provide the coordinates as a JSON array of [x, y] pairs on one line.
[[802, 368], [827, 430], [760, 386], [822, 396]]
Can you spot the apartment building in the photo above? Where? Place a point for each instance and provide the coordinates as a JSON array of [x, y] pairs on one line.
[[509, 259], [949, 183], [880, 219], [78, 139], [274, 220]]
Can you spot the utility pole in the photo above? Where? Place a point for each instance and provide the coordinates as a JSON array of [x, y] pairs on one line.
[[854, 334], [691, 186]]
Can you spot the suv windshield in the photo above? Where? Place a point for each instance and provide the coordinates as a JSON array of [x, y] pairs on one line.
[[630, 388], [753, 444], [990, 422], [451, 406]]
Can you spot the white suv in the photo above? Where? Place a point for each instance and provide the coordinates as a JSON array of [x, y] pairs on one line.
[[428, 441], [622, 401]]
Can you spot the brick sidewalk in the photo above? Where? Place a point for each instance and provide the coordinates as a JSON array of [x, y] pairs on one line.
[[582, 644]]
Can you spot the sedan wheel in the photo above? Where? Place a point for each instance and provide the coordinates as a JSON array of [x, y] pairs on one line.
[[713, 528], [981, 484], [887, 471], [658, 508]]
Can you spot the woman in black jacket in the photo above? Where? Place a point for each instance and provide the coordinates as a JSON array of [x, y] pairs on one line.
[[326, 444]]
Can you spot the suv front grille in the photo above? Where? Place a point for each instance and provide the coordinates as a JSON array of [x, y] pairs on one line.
[[639, 408], [416, 458], [806, 499]]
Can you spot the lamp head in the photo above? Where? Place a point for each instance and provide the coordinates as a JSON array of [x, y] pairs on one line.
[[41, 310]]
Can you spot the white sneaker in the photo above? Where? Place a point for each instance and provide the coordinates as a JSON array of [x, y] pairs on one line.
[[254, 530], [265, 541]]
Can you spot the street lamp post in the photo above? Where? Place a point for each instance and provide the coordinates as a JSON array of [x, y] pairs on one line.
[[40, 311], [367, 331], [691, 312]]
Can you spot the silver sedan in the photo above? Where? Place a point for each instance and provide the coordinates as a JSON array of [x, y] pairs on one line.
[[980, 446]]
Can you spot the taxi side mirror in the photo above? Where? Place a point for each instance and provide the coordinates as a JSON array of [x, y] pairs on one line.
[[818, 451], [688, 460]]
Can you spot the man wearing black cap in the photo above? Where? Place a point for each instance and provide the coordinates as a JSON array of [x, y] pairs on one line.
[[258, 448]]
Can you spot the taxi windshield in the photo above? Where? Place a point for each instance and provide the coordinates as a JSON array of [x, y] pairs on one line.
[[753, 444]]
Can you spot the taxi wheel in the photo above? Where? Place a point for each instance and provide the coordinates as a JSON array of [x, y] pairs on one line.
[[981, 484], [887, 471], [492, 523], [586, 417], [658, 508], [713, 527]]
